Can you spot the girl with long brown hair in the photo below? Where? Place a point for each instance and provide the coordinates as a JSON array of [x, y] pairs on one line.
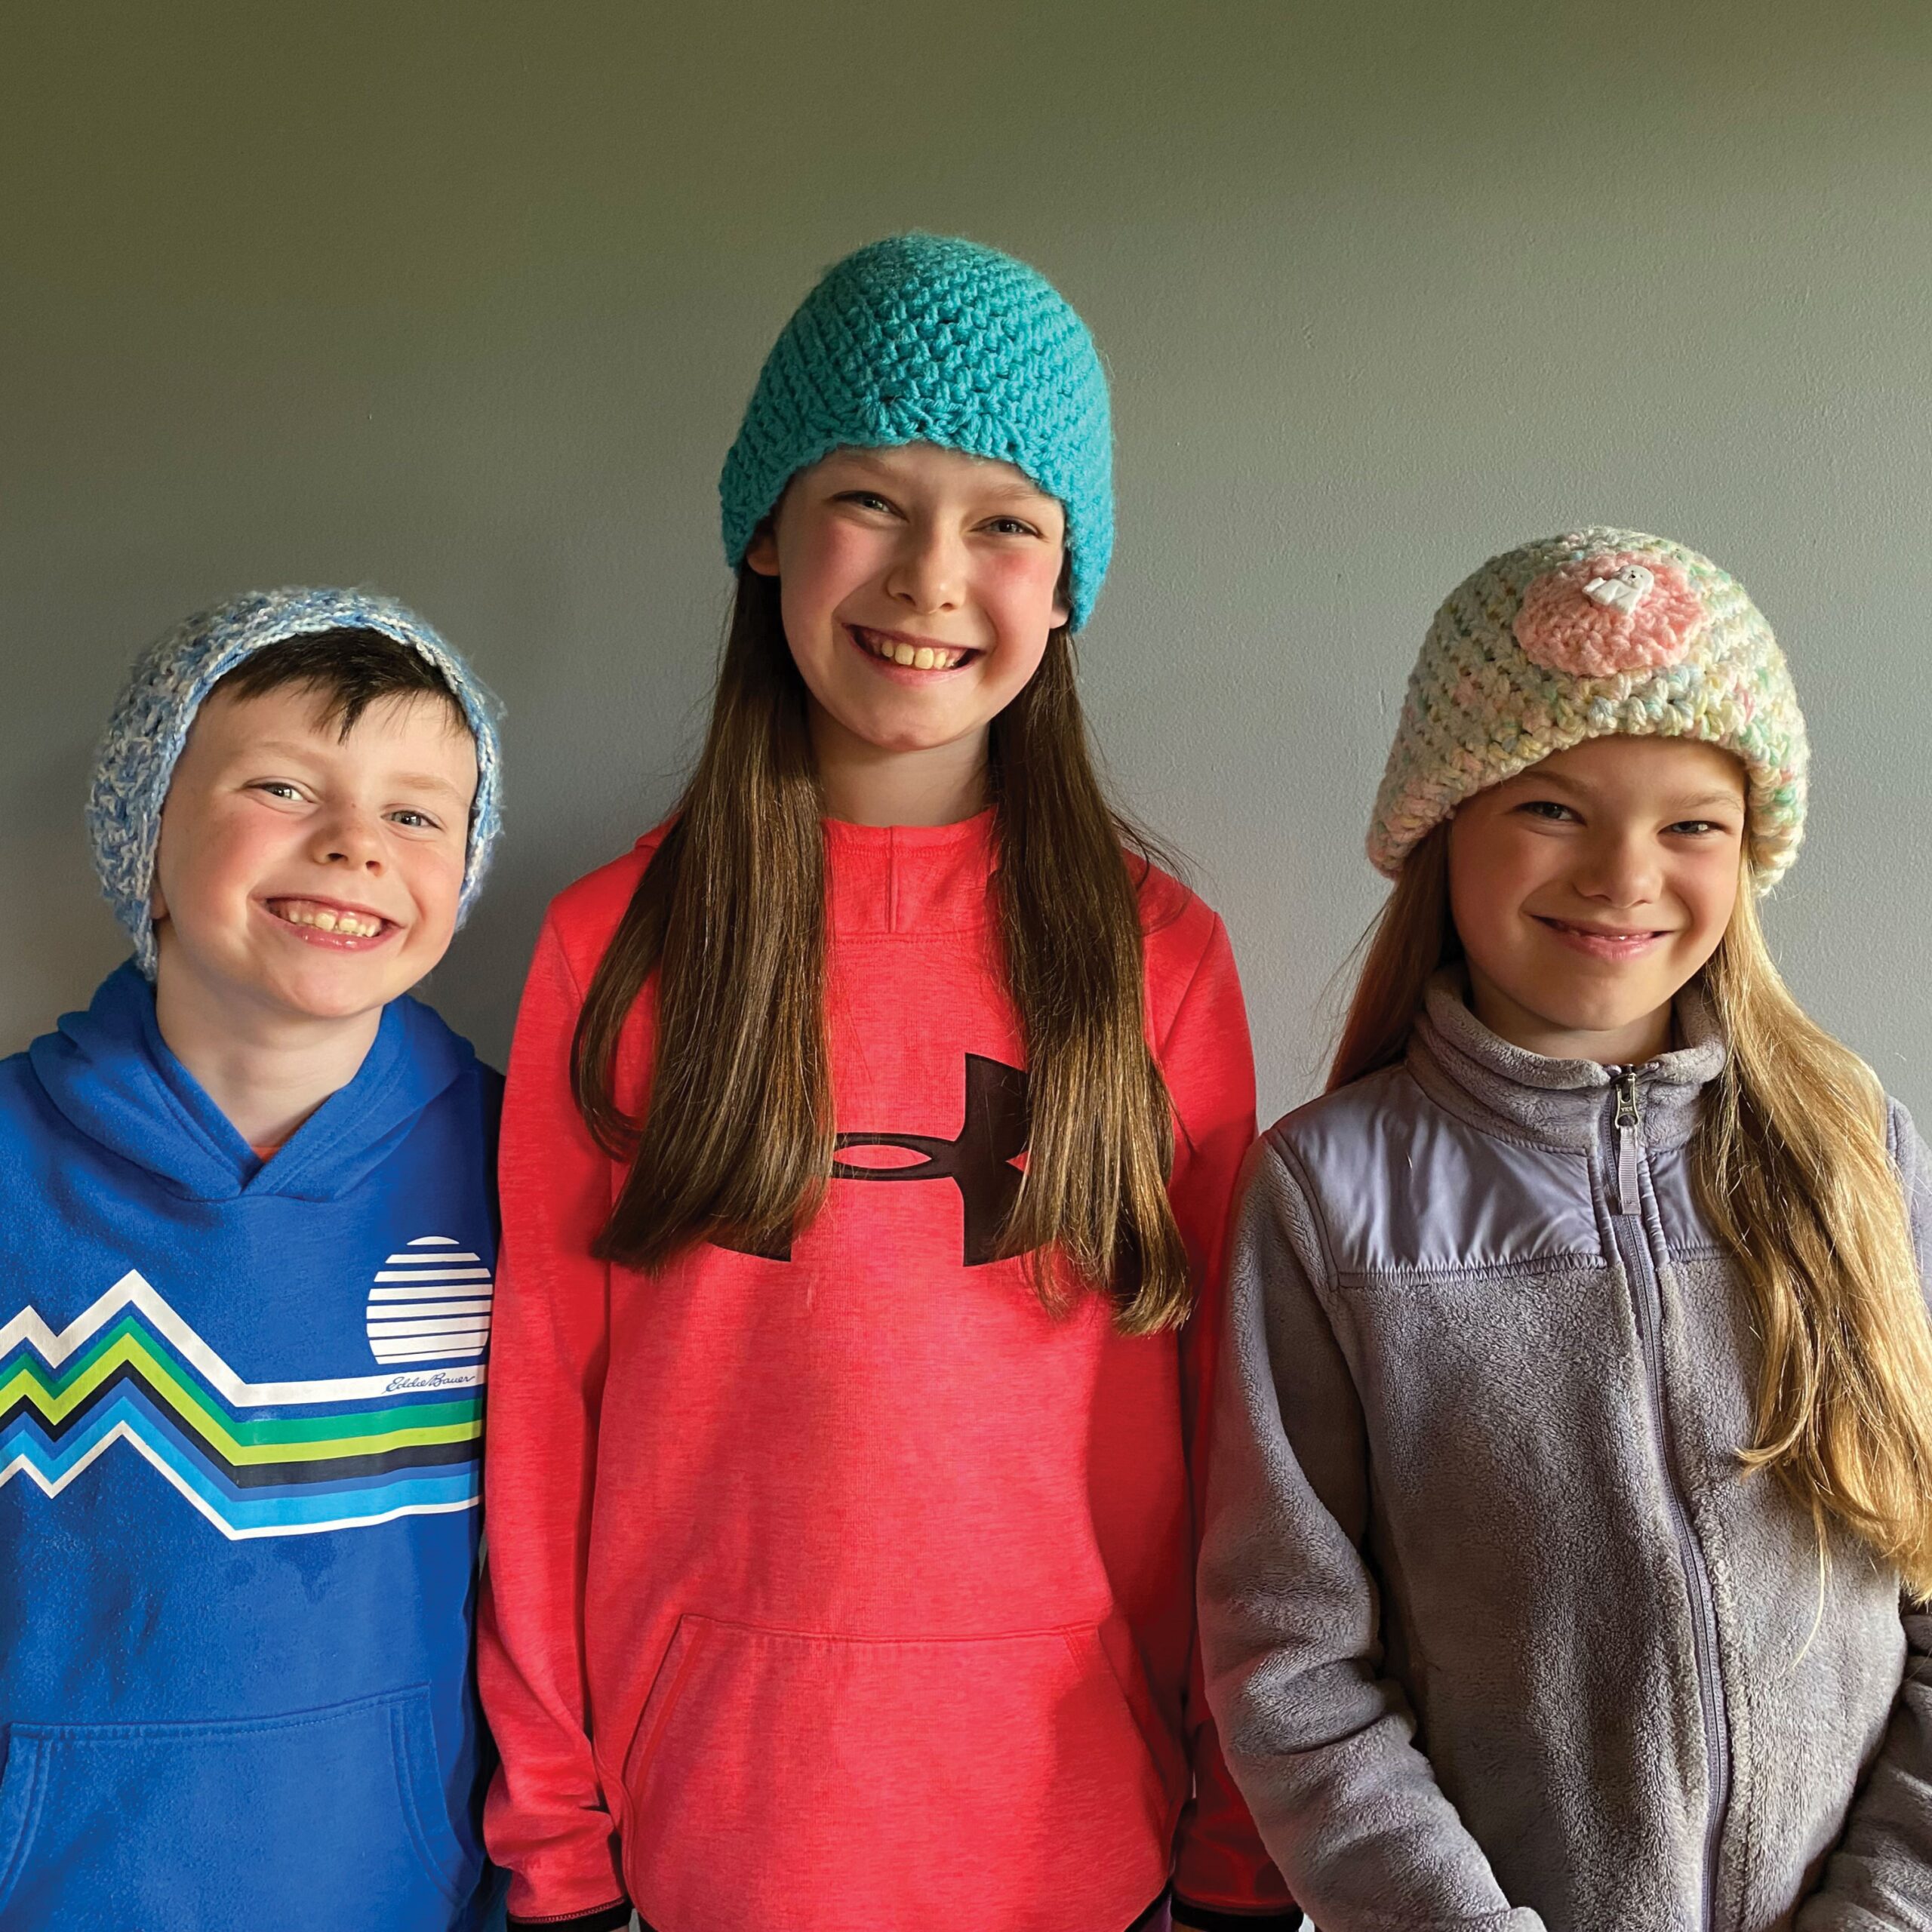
[[1572, 1509], [869, 1132]]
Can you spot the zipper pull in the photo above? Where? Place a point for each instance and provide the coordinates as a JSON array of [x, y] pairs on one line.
[[1629, 1135]]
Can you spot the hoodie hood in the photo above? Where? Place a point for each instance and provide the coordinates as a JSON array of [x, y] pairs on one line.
[[109, 1072]]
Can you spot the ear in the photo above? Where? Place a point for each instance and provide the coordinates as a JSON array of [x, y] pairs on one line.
[[762, 553], [1063, 591]]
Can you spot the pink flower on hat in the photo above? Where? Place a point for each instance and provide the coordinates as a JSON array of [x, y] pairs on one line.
[[1618, 610]]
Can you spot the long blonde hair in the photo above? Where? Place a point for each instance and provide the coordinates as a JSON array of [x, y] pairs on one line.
[[1793, 1168]]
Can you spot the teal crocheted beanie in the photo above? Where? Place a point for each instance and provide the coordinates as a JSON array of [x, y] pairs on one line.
[[920, 338]]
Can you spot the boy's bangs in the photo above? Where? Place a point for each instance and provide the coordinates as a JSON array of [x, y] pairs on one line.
[[348, 669]]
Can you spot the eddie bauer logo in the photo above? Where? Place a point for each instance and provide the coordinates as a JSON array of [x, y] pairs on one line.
[[979, 1162]]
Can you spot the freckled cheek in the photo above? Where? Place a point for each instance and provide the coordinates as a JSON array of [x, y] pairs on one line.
[[1034, 565], [1498, 878], [1711, 902], [829, 563], [435, 910], [1019, 587], [215, 864]]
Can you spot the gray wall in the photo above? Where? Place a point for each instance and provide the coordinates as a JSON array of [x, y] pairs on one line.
[[464, 301]]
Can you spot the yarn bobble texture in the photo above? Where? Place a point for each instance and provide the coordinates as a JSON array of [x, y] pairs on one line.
[[149, 724], [923, 338], [1596, 633]]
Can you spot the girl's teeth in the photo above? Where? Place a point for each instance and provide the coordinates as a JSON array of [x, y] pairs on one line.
[[914, 656]]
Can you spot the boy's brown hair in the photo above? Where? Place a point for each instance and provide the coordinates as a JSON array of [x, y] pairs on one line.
[[348, 669]]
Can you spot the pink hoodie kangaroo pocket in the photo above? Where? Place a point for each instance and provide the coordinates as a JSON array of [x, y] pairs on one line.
[[925, 1784]]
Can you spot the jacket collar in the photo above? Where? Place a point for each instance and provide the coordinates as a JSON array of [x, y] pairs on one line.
[[1506, 1090]]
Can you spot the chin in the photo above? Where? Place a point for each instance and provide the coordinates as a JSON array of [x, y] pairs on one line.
[[1590, 1018], [339, 1000], [910, 738]]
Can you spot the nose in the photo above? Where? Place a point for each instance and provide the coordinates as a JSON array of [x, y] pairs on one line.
[[928, 571], [352, 838], [1619, 869]]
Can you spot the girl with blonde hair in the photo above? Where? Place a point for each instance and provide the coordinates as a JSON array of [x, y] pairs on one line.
[[1571, 1517]]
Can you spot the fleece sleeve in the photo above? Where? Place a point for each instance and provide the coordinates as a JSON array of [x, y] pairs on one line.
[[1881, 1874], [545, 1818], [1322, 1742], [1222, 1875]]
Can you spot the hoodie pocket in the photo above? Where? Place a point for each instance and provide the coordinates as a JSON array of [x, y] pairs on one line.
[[1006, 1780], [334, 1820]]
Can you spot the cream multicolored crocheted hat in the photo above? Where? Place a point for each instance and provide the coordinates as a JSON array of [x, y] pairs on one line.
[[1597, 633]]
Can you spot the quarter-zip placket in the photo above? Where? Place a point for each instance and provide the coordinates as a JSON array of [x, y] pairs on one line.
[[1627, 1157]]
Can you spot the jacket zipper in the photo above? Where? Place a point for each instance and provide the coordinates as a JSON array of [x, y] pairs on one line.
[[1633, 1247]]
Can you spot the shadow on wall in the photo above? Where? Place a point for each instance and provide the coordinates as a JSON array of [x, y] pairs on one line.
[[61, 940], [477, 986]]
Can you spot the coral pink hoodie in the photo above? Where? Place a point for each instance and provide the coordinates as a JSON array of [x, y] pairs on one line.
[[852, 1588]]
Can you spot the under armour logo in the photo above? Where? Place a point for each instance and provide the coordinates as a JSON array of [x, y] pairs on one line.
[[979, 1163]]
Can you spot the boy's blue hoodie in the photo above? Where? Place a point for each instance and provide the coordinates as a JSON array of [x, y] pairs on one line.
[[240, 1426]]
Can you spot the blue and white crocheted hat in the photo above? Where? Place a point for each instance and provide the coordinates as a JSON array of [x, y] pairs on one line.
[[149, 725], [920, 338]]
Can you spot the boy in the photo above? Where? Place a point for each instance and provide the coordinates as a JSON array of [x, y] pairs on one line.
[[247, 1235]]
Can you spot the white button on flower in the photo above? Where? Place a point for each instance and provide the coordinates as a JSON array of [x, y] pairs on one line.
[[1622, 590]]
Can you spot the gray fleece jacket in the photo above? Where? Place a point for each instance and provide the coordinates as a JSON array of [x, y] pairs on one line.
[[1497, 1630]]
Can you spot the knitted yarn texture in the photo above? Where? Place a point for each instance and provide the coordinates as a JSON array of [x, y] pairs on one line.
[[135, 763], [1593, 633], [922, 339]]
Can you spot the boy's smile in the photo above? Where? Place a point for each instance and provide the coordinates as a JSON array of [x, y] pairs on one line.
[[304, 876], [329, 922]]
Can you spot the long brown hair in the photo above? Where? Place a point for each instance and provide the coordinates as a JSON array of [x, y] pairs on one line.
[[1793, 1168], [737, 1139]]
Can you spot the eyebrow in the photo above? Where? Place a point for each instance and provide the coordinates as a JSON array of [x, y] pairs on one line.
[[425, 781], [414, 781], [1019, 490], [274, 747], [1679, 806], [1705, 798]]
